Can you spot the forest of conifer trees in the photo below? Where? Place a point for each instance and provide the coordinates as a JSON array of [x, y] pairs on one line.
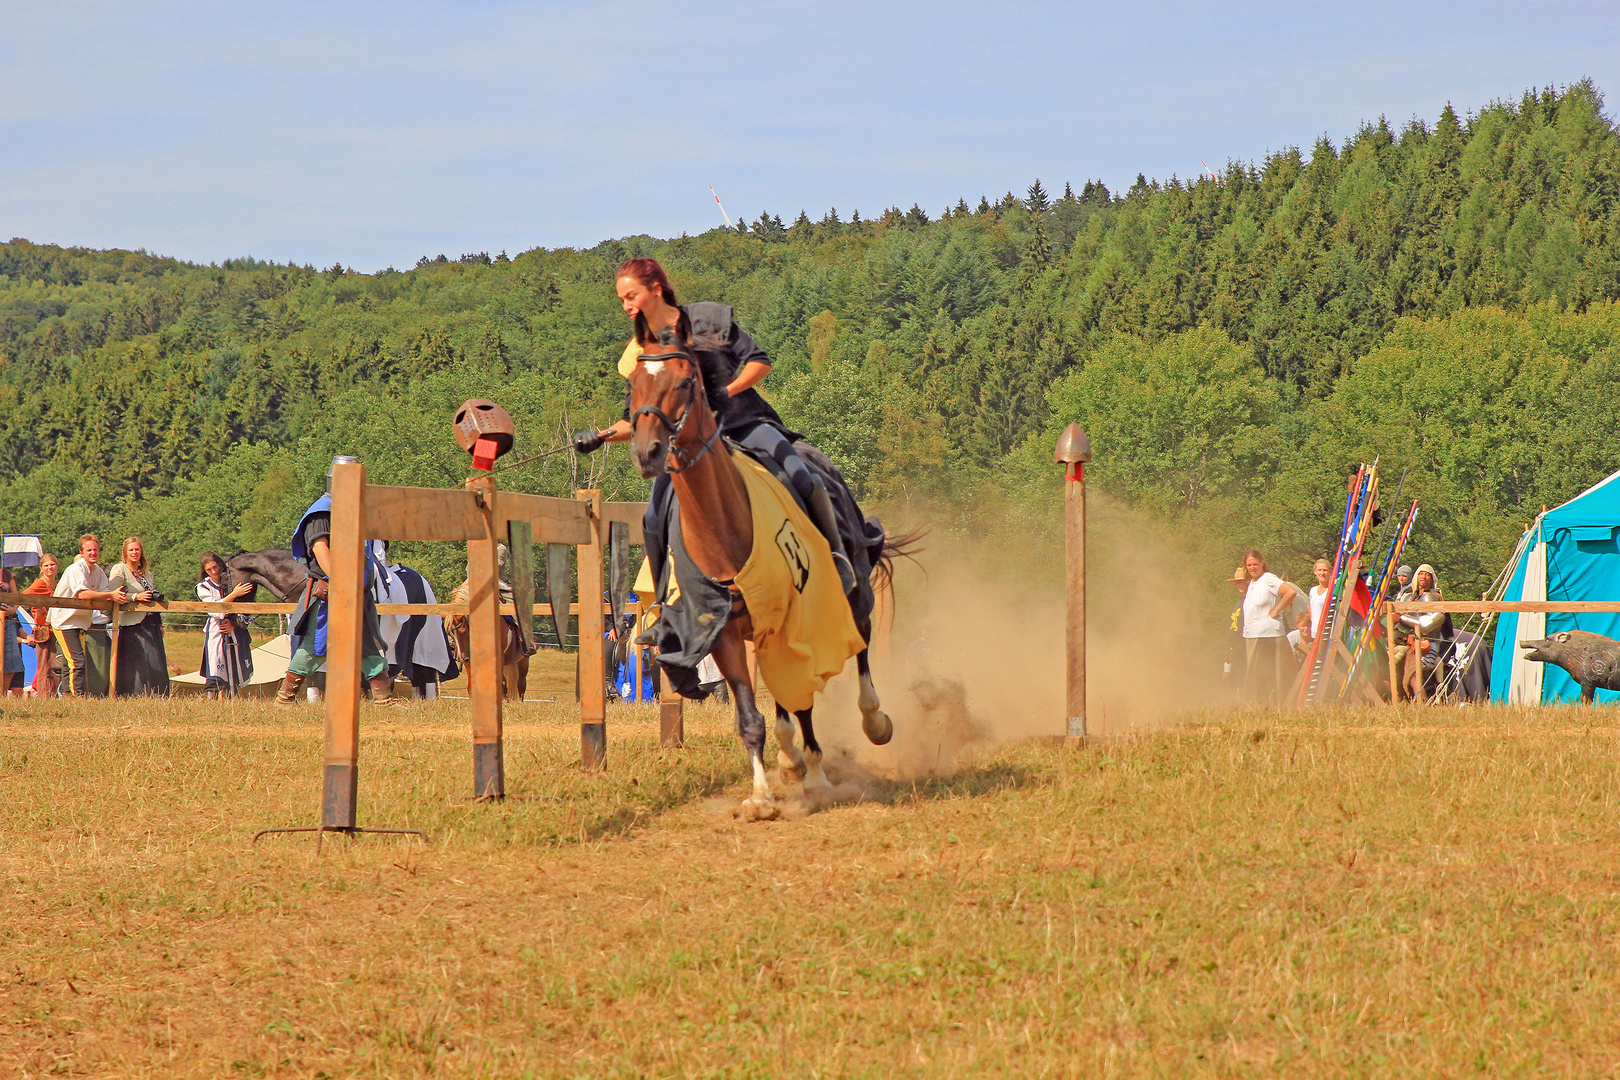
[[1441, 293]]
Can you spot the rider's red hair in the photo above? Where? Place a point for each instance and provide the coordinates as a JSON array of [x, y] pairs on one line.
[[649, 274]]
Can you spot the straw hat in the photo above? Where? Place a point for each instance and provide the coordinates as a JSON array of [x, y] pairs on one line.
[[1239, 576]]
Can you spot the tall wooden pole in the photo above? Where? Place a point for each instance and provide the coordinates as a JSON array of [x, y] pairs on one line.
[[484, 641], [1072, 452], [592, 672], [1389, 640], [344, 626], [112, 683]]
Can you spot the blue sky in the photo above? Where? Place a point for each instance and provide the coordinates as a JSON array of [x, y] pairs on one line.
[[373, 133]]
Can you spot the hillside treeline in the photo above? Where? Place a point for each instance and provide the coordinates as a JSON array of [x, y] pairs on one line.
[[1441, 294]]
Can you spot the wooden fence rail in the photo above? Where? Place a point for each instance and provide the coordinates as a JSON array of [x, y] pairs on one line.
[[210, 607]]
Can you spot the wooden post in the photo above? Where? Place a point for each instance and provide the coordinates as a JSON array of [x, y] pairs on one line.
[[1073, 451], [344, 615], [1389, 642], [484, 642], [1416, 654], [592, 673], [112, 678]]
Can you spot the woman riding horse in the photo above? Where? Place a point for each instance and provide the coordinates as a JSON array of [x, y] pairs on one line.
[[733, 364], [675, 436]]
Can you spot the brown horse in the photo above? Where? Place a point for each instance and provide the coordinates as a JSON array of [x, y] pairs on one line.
[[514, 658], [676, 432]]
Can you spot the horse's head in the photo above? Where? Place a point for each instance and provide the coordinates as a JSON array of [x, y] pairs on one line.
[[669, 412]]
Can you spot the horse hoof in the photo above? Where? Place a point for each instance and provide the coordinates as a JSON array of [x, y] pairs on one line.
[[757, 810], [878, 727], [790, 771]]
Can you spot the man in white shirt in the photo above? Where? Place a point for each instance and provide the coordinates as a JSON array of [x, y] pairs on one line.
[[88, 648]]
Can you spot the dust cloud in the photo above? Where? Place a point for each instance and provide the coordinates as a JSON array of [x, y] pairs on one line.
[[976, 653]]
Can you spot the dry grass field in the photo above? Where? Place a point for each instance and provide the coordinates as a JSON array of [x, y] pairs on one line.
[[1412, 893]]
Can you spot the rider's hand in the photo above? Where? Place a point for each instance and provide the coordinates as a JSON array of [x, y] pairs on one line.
[[587, 442]]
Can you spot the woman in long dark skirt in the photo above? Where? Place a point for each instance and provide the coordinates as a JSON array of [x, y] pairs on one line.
[[143, 665]]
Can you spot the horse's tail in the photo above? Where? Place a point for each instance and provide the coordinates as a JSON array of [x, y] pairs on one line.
[[904, 545]]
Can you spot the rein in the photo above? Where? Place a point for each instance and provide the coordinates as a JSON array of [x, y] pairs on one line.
[[674, 427]]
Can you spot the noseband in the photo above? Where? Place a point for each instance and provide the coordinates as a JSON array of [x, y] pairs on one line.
[[675, 427]]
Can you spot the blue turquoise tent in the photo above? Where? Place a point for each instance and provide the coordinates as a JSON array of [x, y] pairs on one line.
[[1568, 553]]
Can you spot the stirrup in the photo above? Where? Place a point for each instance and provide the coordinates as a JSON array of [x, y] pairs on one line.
[[846, 571]]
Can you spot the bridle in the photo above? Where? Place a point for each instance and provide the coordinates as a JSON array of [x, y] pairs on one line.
[[675, 427]]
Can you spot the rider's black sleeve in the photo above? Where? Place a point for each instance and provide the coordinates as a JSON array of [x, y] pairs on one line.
[[745, 349]]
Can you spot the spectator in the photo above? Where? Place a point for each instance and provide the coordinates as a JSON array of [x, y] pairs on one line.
[[143, 666], [1437, 643], [1403, 583], [1319, 594], [1270, 666], [11, 654], [1300, 637], [87, 647], [46, 654], [227, 651]]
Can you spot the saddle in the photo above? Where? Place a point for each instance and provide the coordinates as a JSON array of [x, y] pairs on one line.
[[804, 628]]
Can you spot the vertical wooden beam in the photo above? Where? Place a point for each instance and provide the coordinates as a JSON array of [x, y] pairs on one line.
[[1417, 653], [1074, 574], [1389, 643], [344, 615], [112, 683], [592, 672], [484, 641]]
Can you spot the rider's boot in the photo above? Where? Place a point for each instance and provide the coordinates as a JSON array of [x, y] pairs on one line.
[[288, 694], [821, 512]]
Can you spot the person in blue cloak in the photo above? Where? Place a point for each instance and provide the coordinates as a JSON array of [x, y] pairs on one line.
[[311, 544]]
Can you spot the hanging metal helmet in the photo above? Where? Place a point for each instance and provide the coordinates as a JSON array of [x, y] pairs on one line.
[[480, 419]]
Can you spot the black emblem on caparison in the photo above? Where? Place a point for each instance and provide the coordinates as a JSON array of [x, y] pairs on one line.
[[797, 555]]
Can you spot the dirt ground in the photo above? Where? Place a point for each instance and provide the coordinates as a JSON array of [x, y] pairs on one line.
[[1425, 892]]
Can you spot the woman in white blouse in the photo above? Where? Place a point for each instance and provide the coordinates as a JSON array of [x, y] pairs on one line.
[[1271, 668]]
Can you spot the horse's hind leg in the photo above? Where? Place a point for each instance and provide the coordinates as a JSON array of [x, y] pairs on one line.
[[874, 721], [732, 660], [788, 758]]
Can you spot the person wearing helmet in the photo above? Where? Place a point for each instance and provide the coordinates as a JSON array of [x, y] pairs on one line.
[[311, 545]]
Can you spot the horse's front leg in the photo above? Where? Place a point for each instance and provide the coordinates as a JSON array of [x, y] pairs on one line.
[[874, 721], [814, 779], [731, 657], [788, 758]]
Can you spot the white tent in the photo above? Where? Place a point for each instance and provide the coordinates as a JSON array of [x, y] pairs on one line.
[[270, 662], [21, 551]]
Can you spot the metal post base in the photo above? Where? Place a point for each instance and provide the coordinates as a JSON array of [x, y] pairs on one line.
[[593, 746], [489, 772], [349, 831]]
